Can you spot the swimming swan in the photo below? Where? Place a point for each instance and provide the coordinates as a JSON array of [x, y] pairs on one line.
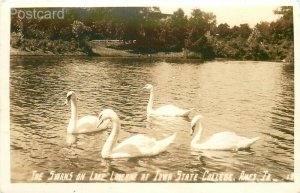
[[85, 124], [166, 110], [219, 141], [135, 146]]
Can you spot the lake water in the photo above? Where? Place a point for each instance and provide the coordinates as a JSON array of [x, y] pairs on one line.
[[249, 98]]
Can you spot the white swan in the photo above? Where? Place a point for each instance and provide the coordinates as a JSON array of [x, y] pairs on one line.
[[135, 146], [166, 110], [219, 141], [85, 124]]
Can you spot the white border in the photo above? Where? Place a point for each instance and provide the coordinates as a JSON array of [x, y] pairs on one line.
[[6, 186]]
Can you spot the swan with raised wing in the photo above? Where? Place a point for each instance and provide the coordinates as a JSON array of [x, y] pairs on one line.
[[135, 146], [219, 141], [85, 124], [166, 110]]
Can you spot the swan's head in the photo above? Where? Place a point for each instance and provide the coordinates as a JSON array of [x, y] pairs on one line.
[[107, 114], [148, 86], [195, 122], [69, 96]]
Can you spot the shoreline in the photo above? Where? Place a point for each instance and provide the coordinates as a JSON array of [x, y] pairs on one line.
[[19, 52], [98, 52], [121, 54], [110, 48]]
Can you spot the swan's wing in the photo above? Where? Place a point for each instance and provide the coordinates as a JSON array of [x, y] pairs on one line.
[[140, 141], [89, 124], [86, 124], [245, 142], [138, 145], [164, 143], [222, 141], [171, 110], [240, 142], [88, 119], [228, 141]]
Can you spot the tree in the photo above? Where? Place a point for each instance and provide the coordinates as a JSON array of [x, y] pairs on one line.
[[79, 30], [200, 24], [245, 30], [263, 28], [283, 33], [178, 24], [223, 31], [283, 27]]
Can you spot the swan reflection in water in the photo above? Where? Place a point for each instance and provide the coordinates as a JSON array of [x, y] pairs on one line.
[[168, 124], [69, 151], [71, 139], [232, 161]]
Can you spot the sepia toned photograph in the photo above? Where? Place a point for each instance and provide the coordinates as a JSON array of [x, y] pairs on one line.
[[151, 95]]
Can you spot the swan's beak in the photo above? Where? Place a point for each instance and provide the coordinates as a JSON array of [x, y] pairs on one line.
[[192, 130], [100, 122], [191, 133], [68, 99]]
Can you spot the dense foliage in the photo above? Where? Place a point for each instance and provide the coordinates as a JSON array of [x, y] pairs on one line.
[[146, 29]]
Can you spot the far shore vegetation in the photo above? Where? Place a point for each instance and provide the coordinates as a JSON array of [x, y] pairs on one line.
[[146, 31]]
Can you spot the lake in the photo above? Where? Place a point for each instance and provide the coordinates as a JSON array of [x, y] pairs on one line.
[[249, 98]]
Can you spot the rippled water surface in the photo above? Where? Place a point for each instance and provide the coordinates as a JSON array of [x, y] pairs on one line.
[[249, 98]]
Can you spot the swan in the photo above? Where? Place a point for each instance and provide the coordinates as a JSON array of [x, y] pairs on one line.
[[135, 146], [219, 141], [166, 110], [85, 124]]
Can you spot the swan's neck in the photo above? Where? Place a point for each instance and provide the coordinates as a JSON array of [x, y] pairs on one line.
[[197, 137], [74, 117], [112, 138], [150, 102]]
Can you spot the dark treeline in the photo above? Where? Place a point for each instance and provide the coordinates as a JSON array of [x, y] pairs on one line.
[[147, 30]]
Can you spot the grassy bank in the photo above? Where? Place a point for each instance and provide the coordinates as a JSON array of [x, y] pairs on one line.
[[31, 47], [22, 46]]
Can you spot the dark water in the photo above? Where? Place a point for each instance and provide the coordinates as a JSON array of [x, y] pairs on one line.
[[249, 98]]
